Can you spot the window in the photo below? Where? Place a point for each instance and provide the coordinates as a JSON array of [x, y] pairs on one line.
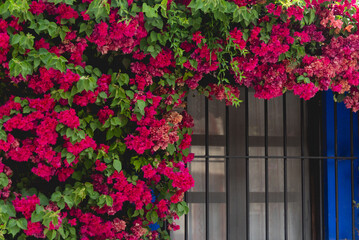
[[258, 170]]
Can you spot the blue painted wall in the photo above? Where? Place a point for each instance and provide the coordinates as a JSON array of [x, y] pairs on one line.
[[344, 170]]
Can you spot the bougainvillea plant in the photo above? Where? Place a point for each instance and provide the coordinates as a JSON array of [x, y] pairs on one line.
[[94, 133]]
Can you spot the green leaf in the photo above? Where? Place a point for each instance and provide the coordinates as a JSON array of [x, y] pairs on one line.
[[89, 69], [185, 152], [81, 134], [43, 199], [140, 104], [77, 175], [97, 72], [22, 223], [83, 28], [3, 135], [148, 216], [117, 165], [180, 208], [137, 164], [4, 218], [4, 181], [193, 63], [171, 149], [99, 9], [151, 49], [56, 196], [154, 216], [103, 95], [155, 22], [307, 80], [130, 94], [312, 16], [149, 11], [101, 201], [53, 29], [10, 209], [109, 134], [23, 41], [300, 78], [37, 215], [245, 36], [63, 32], [27, 109], [339, 97], [61, 204], [70, 157], [15, 39], [51, 234], [29, 192], [109, 201], [62, 232], [281, 57], [122, 4], [12, 227], [68, 2], [124, 79], [153, 36], [149, 206], [69, 201], [136, 213], [115, 121], [18, 66]]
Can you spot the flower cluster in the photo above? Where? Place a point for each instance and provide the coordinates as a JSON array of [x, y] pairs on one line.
[[119, 35], [40, 126], [4, 41], [6, 173], [47, 78], [153, 134]]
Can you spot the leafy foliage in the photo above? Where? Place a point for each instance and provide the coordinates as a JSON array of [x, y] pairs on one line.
[[94, 133]]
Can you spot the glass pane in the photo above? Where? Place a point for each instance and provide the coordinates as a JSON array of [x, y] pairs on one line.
[[237, 171]]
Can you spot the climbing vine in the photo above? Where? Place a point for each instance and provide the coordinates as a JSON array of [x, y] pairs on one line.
[[94, 133]]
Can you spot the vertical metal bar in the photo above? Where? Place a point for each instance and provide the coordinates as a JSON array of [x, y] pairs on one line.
[[227, 174], [266, 165], [186, 194], [321, 187], [352, 172], [302, 164], [285, 166], [336, 170], [207, 166], [186, 220], [321, 205], [247, 161], [321, 199]]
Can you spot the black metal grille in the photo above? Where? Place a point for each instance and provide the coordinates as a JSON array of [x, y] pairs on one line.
[[307, 143]]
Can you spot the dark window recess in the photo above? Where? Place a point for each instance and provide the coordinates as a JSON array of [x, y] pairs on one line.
[[258, 170]]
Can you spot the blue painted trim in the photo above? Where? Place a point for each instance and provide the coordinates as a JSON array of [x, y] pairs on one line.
[[356, 172], [328, 168], [344, 173]]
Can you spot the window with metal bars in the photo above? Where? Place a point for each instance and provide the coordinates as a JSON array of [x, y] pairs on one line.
[[260, 171]]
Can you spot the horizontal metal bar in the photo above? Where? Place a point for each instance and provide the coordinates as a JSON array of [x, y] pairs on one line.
[[280, 157], [253, 141], [255, 197]]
